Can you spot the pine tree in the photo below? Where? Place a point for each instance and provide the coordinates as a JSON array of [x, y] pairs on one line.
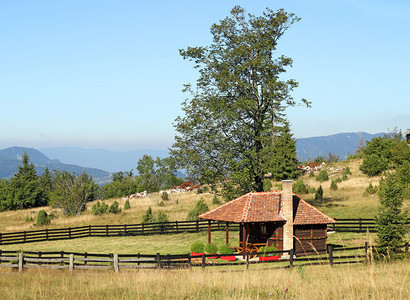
[[25, 186], [284, 158]]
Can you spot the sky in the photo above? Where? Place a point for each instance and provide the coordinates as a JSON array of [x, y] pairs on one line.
[[108, 74]]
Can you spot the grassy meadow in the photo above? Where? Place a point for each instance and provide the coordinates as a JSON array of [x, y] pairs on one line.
[[372, 281]]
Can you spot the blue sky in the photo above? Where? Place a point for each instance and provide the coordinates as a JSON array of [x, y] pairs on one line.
[[108, 74]]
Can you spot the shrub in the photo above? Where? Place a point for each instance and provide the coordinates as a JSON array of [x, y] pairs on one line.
[[344, 177], [163, 217], [42, 218], [197, 247], [279, 186], [200, 208], [319, 193], [338, 180], [333, 185], [114, 208], [216, 200], [161, 203], [99, 208], [300, 188], [323, 176], [29, 219], [226, 249], [148, 216], [164, 196], [371, 189], [267, 185], [265, 249], [312, 190], [311, 174], [211, 248], [347, 171], [127, 205]]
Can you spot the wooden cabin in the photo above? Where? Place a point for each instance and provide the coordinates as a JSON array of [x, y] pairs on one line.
[[278, 218]]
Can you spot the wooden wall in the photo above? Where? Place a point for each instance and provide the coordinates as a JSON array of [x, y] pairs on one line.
[[310, 239]]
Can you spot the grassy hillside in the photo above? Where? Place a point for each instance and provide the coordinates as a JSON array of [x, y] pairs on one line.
[[349, 201]]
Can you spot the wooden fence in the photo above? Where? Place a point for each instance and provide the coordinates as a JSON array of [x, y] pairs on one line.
[[70, 260], [342, 225]]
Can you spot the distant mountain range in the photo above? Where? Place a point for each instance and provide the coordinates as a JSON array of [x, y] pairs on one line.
[[100, 163], [341, 144], [10, 159]]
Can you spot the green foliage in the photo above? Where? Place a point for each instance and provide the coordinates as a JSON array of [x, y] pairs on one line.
[[333, 185], [197, 247], [264, 249], [99, 208], [322, 176], [403, 174], [344, 177], [370, 189], [127, 205], [215, 200], [347, 171], [267, 185], [377, 155], [300, 188], [164, 196], [319, 193], [161, 203], [42, 218], [114, 208], [312, 190], [163, 217], [229, 130], [211, 248], [72, 192], [200, 208], [391, 220], [148, 217], [123, 184], [226, 249], [311, 174], [338, 180], [29, 219]]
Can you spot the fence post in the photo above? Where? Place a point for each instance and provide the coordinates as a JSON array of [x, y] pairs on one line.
[[406, 247], [142, 228], [159, 260], [360, 225], [176, 225], [71, 265], [24, 236], [106, 229], [125, 229], [330, 251], [203, 261], [291, 253], [197, 226], [247, 261], [1, 253], [189, 261], [366, 250], [39, 256], [47, 234], [21, 259], [69, 232], [138, 256], [116, 267], [89, 230], [0, 238], [85, 256]]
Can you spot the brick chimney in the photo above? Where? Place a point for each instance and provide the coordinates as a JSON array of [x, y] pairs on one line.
[[287, 211]]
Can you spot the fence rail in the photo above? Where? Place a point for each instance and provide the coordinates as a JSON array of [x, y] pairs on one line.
[[117, 262], [342, 225]]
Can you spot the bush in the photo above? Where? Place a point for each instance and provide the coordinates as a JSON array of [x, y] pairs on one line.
[[127, 205], [161, 203], [300, 188], [338, 180], [265, 249], [197, 247], [312, 190], [42, 218], [148, 216], [344, 177], [163, 217], [323, 176], [200, 208], [99, 208], [226, 249], [347, 171], [29, 219], [164, 196], [371, 189], [267, 185], [114, 208], [333, 185], [211, 248], [216, 200], [319, 193]]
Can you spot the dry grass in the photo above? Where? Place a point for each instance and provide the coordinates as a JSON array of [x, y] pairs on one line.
[[380, 281]]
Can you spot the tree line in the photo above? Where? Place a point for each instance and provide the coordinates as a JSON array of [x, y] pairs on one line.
[[70, 191]]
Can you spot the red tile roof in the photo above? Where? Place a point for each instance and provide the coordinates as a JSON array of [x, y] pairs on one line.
[[266, 207]]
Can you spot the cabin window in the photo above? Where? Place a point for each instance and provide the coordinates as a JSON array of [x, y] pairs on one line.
[[263, 229]]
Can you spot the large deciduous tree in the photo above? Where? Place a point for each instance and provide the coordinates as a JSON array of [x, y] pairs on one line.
[[228, 131]]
